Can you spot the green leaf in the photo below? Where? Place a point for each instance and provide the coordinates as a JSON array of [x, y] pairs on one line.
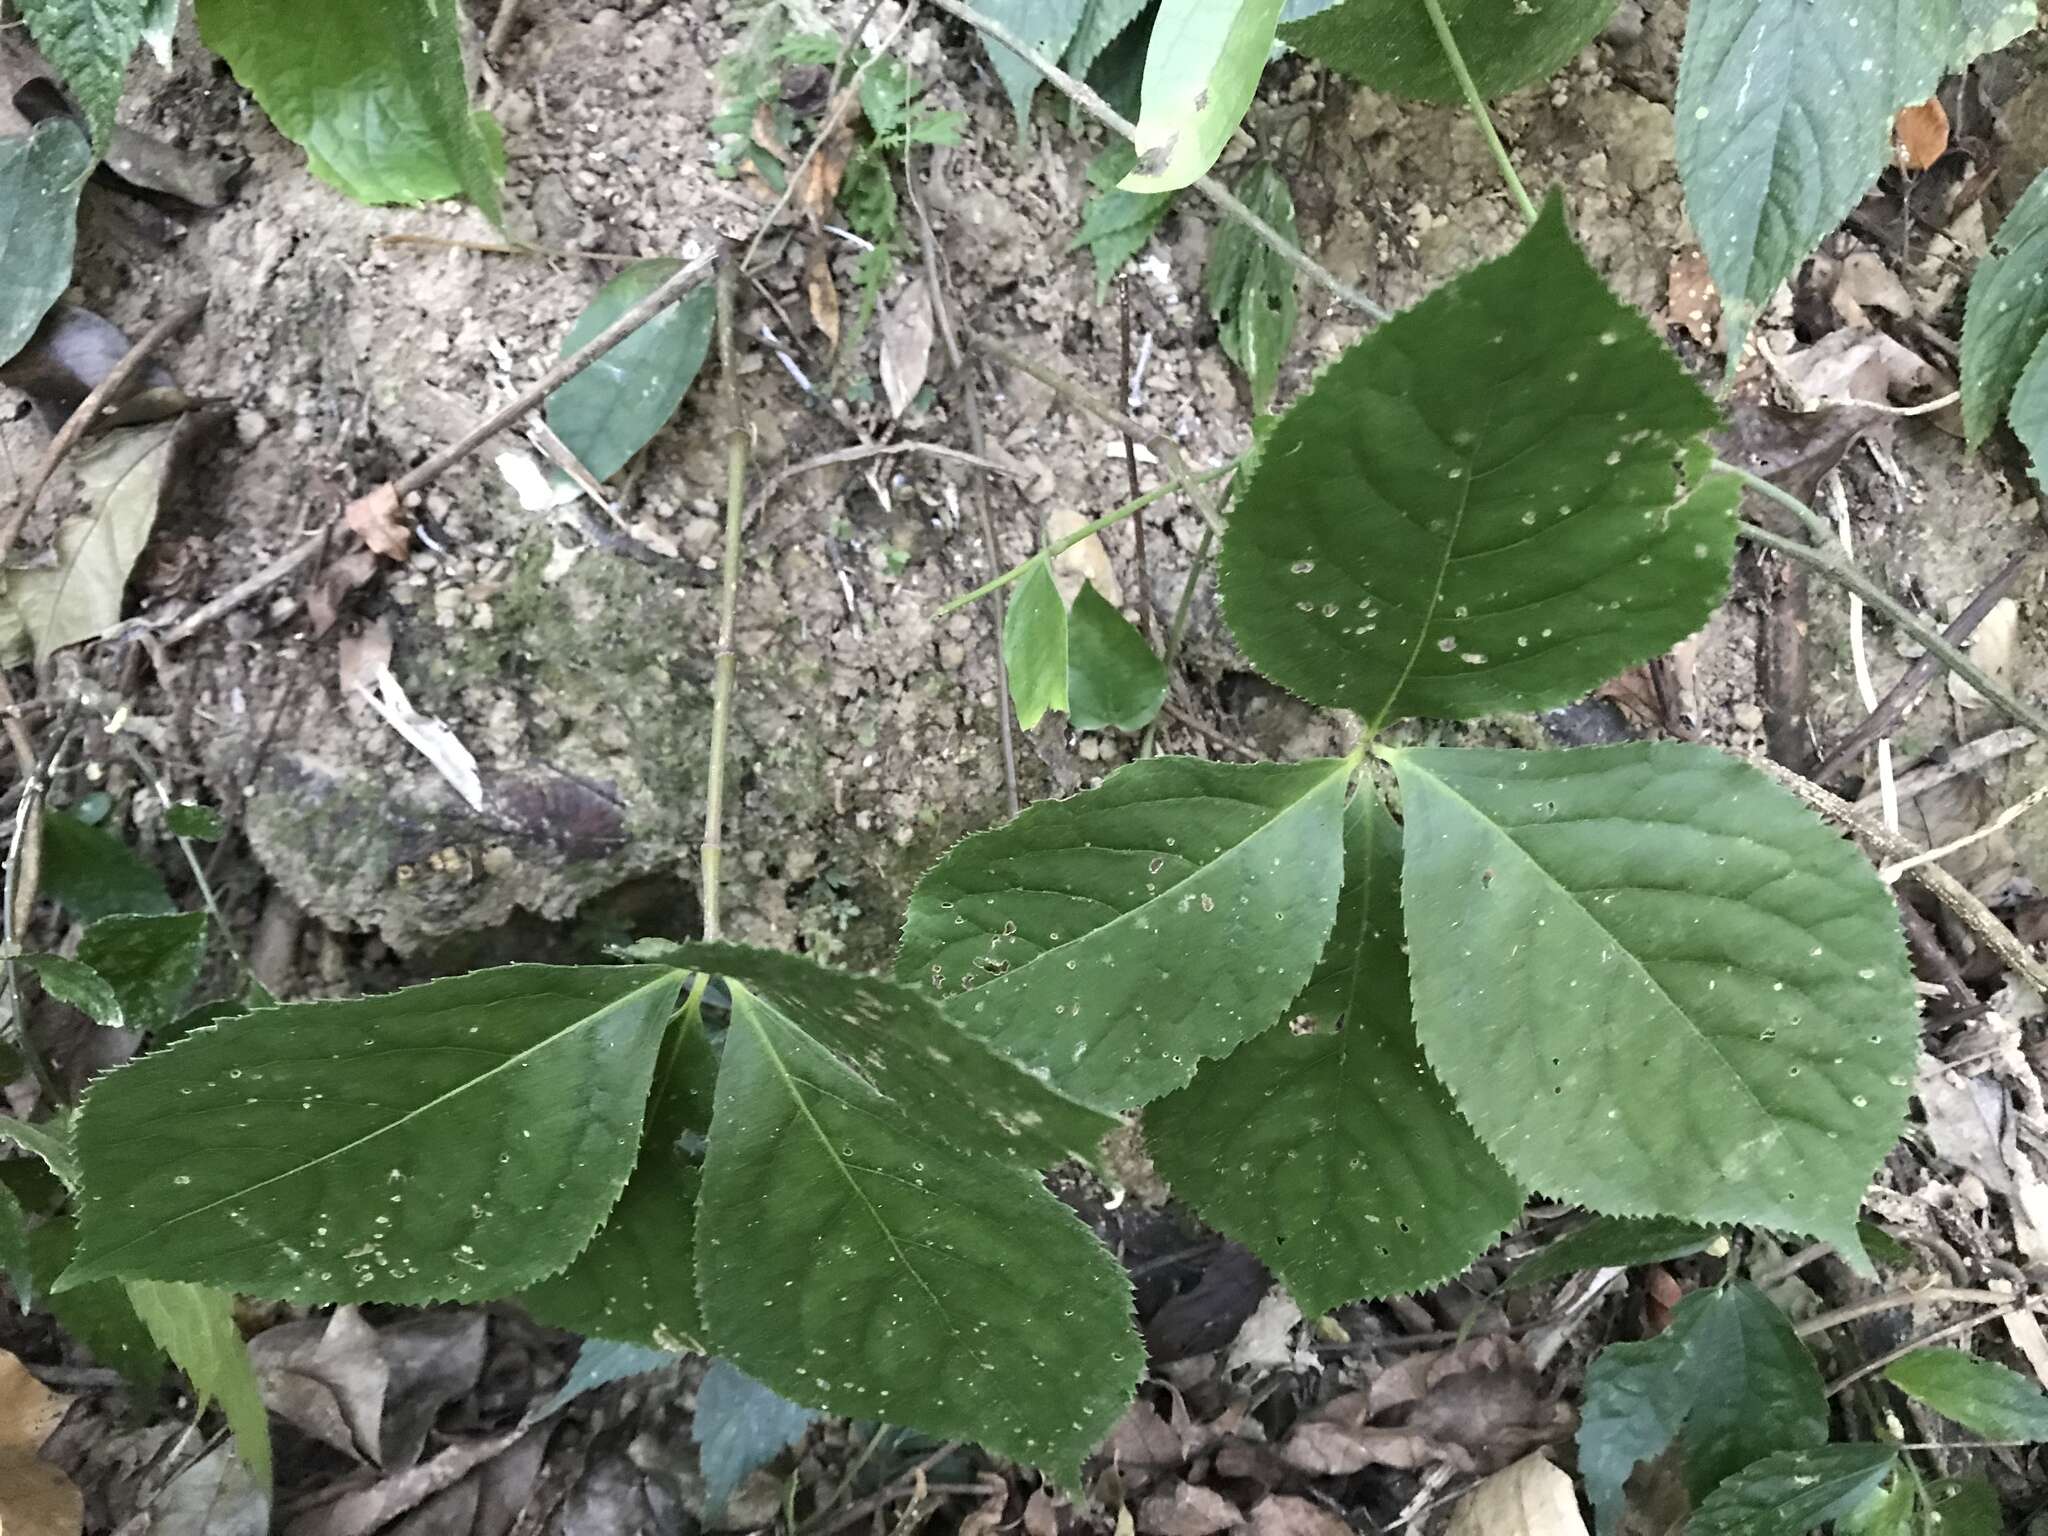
[[99, 1316], [1116, 225], [89, 43], [1728, 1379], [1655, 983], [871, 1239], [1047, 25], [1391, 46], [614, 408], [1251, 290], [1784, 119], [195, 1324], [160, 27], [1966, 1507], [149, 963], [1980, 1395], [1888, 1512], [1613, 1240], [1201, 73], [200, 822], [49, 1141], [1035, 645], [637, 1281], [2007, 318], [453, 1141], [599, 1363], [15, 1254], [41, 175], [2030, 411], [1113, 679], [1344, 1166], [740, 1426], [1475, 509], [1102, 23], [80, 985], [91, 873], [1113, 941], [1793, 1491], [374, 91]]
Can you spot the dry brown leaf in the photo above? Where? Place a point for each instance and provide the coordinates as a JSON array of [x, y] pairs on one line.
[[1040, 1518], [988, 1519], [906, 342], [326, 1378], [1691, 301], [817, 186], [337, 579], [1867, 281], [822, 292], [1495, 1416], [1325, 1449], [29, 1411], [1087, 561], [1143, 1439], [378, 522], [36, 1499], [1920, 135], [1266, 1341], [1992, 647], [1280, 1514], [1186, 1511], [766, 136], [1530, 1498], [1858, 367], [364, 654]]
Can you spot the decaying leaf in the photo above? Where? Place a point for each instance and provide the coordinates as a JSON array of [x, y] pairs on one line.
[[328, 1379], [1185, 1510], [906, 342], [823, 293], [36, 1499], [377, 521], [1082, 563], [1920, 135], [1280, 1514], [1530, 1498], [337, 579], [1993, 647], [1849, 367], [817, 189]]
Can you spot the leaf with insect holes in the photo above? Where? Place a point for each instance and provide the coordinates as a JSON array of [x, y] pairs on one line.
[[452, 1141], [1113, 679], [89, 43], [1391, 45], [195, 1325], [1113, 941], [1201, 72], [1655, 984], [1793, 1491], [637, 1281], [150, 964], [41, 174], [1728, 1380], [1346, 1167], [374, 91], [1785, 112], [1035, 645], [1475, 509], [1251, 290], [1047, 25], [1116, 224], [91, 873], [614, 408], [1980, 1395], [873, 1239], [71, 981], [1613, 1241]]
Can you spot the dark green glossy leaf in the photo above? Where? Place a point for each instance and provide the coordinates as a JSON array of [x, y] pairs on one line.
[[1336, 1156], [2007, 319], [2029, 411], [1793, 1491], [80, 985], [1201, 72], [99, 1316], [1475, 509], [1035, 645], [637, 1281], [1113, 679], [1980, 1395], [1655, 983], [871, 1240], [1611, 1240], [374, 91], [614, 408], [1391, 45], [309, 1152], [41, 174], [1113, 941], [1251, 290], [50, 1142], [1047, 25], [149, 963], [1116, 224], [200, 822], [195, 1324], [91, 873], [740, 1426], [89, 43]]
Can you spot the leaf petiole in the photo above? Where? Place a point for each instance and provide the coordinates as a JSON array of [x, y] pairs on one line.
[[1477, 103]]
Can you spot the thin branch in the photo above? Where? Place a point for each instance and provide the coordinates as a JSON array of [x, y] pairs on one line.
[[163, 798], [1975, 1320], [1092, 104], [1893, 1300], [501, 27], [1133, 485], [729, 597], [1177, 633], [1859, 659], [1477, 103], [2004, 819]]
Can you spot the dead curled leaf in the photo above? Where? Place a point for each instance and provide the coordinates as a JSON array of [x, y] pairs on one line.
[[1530, 1498], [906, 342], [378, 522], [1920, 135]]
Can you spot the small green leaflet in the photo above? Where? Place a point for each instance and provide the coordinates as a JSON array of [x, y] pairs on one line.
[[1251, 290], [41, 175], [1201, 72], [599, 1363], [1113, 941], [375, 92], [91, 873], [150, 964], [1391, 46], [739, 1426], [1655, 983], [1793, 1491], [1345, 1166], [89, 42], [1113, 679], [202, 823], [1116, 224], [1102, 23], [1475, 509], [1047, 25], [872, 1239], [1613, 1240], [452, 1141], [1980, 1395], [70, 981], [195, 1325], [637, 1281], [1035, 645], [1785, 112], [2007, 319], [614, 408], [1729, 1380]]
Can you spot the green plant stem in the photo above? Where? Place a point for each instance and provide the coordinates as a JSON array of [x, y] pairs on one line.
[[1178, 631], [729, 597], [1059, 547], [1824, 533], [1477, 103], [206, 896]]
